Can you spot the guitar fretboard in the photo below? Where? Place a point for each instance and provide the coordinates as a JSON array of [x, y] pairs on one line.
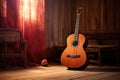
[[77, 28]]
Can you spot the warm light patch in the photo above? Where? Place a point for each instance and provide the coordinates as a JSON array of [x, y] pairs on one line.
[[31, 15], [28, 9], [5, 8]]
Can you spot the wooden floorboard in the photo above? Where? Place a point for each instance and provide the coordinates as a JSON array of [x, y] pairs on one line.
[[59, 72]]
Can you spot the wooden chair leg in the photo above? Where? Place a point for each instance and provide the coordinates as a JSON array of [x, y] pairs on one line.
[[99, 58]]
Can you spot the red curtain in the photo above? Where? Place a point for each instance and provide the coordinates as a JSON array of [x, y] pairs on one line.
[[29, 17]]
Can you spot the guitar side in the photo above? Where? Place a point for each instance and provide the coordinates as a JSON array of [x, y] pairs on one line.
[[74, 56]]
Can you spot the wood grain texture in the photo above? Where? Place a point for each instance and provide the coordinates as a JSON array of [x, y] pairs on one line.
[[99, 16], [59, 72], [58, 21]]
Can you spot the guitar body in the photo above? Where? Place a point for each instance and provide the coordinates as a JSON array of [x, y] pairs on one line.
[[74, 55]]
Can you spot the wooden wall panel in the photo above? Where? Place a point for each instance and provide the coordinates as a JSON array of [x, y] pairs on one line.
[[99, 16], [58, 21], [112, 17], [92, 18]]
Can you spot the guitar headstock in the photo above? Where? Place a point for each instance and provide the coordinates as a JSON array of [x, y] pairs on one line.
[[79, 11]]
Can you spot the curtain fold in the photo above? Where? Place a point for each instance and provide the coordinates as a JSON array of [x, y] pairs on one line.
[[28, 17]]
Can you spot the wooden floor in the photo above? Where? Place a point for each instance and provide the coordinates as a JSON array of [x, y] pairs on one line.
[[59, 72]]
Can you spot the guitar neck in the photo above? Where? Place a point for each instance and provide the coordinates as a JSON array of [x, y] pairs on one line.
[[77, 28]]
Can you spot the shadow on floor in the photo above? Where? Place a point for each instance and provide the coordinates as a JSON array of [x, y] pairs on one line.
[[107, 69]]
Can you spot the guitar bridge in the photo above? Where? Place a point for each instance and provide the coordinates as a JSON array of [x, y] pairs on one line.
[[73, 56]]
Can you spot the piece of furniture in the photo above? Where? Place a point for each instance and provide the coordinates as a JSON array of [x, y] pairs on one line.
[[12, 48], [99, 43]]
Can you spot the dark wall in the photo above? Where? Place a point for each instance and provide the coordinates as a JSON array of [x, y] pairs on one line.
[[99, 15]]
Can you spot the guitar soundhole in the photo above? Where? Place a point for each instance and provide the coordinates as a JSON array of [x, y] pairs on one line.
[[75, 43]]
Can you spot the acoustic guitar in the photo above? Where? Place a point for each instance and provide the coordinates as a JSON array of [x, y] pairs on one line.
[[74, 55]]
